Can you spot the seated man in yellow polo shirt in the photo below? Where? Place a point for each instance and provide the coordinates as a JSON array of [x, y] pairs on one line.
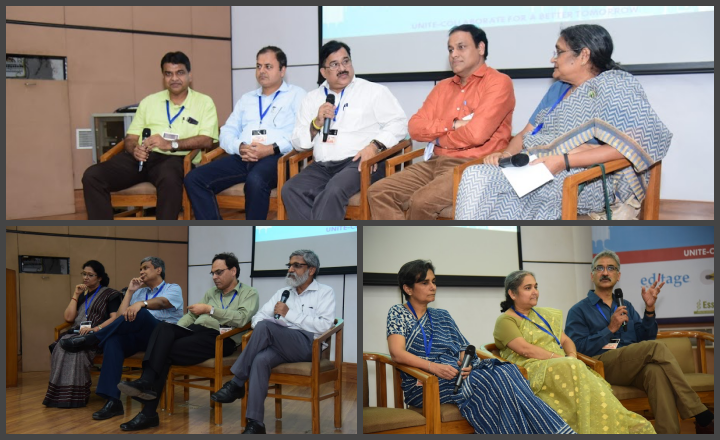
[[179, 120]]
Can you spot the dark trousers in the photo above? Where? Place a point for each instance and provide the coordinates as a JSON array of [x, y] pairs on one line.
[[322, 190], [119, 340], [121, 172], [170, 344], [270, 345], [204, 182]]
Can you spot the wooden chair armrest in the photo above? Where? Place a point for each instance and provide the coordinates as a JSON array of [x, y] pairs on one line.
[[594, 364], [232, 332], [299, 156], [212, 154], [188, 161], [484, 354], [686, 334], [457, 177], [571, 184], [325, 336], [60, 328], [220, 339], [114, 151], [397, 160]]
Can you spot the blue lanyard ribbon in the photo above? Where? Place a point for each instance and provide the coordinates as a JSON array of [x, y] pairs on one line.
[[233, 299], [427, 343], [538, 325], [156, 293], [170, 121], [540, 126], [89, 301], [263, 113], [597, 305], [337, 108]]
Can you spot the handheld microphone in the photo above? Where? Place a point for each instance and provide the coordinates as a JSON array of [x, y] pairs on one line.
[[285, 296], [326, 126], [619, 296], [469, 353], [145, 134], [519, 160]]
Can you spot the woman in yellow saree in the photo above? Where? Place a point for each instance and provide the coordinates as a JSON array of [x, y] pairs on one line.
[[532, 337]]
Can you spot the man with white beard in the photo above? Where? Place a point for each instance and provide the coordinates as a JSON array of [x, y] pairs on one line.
[[283, 332]]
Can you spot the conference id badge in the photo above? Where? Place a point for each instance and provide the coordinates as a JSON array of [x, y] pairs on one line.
[[332, 137], [225, 329], [429, 151], [170, 136], [259, 137], [612, 345], [85, 324]]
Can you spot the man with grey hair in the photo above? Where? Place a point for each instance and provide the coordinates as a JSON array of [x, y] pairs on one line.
[[632, 356], [284, 330], [148, 301]]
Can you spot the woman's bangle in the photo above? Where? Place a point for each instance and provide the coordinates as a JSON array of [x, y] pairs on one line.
[[568, 354], [74, 298], [429, 368], [315, 126], [99, 327], [552, 355], [567, 162]]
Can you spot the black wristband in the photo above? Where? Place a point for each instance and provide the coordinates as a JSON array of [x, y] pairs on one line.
[[649, 313], [567, 162], [276, 149]]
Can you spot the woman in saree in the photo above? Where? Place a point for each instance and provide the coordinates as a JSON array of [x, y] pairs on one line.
[[93, 306], [592, 114], [532, 337], [494, 397]]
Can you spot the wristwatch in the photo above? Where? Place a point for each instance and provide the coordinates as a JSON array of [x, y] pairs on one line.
[[145, 302], [276, 149], [175, 145], [380, 145], [212, 310]]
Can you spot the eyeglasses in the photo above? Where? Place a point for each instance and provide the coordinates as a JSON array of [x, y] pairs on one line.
[[610, 269], [88, 274], [557, 53], [295, 265], [335, 65], [218, 272]]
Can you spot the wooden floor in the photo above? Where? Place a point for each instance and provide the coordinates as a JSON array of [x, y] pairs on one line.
[[669, 210], [25, 413]]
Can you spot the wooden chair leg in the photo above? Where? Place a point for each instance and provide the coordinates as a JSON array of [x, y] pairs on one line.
[[186, 390], [243, 406], [170, 394], [278, 402], [338, 402], [315, 395]]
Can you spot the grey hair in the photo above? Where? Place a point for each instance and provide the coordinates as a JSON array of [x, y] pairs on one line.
[[512, 282], [156, 262], [606, 253], [310, 258]]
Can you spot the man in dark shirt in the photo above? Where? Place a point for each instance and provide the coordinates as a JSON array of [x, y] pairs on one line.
[[633, 357]]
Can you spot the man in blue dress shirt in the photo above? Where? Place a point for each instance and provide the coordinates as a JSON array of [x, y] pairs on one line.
[[148, 301], [632, 356], [255, 135]]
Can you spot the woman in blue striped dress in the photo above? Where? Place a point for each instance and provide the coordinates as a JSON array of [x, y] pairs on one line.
[[494, 398]]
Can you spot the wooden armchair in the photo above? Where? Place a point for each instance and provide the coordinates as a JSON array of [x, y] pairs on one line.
[[650, 206], [397, 420], [594, 364], [358, 207], [212, 370], [143, 195], [308, 374]]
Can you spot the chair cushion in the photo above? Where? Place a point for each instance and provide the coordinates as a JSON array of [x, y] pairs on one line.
[[385, 419], [239, 191], [302, 368], [681, 348], [140, 189], [448, 412], [354, 200], [701, 382], [623, 392]]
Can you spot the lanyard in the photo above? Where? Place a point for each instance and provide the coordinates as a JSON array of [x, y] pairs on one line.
[[426, 342], [170, 121], [263, 113], [538, 325], [233, 299], [156, 293], [601, 312], [337, 108], [88, 301], [540, 126]]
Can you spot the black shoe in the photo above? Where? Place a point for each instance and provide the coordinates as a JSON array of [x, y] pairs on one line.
[[709, 429], [139, 388], [229, 392], [141, 421], [111, 409], [80, 343], [253, 427]]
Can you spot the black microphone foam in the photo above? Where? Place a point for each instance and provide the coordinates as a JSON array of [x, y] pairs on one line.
[[328, 121], [469, 353], [519, 160], [619, 297], [285, 296], [145, 134]]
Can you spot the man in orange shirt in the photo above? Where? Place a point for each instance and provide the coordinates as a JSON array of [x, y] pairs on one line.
[[463, 118]]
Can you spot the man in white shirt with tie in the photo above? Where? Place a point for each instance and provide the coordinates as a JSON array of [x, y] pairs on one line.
[[307, 313], [365, 120]]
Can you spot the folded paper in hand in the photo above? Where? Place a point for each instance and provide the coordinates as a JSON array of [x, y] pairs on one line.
[[527, 178]]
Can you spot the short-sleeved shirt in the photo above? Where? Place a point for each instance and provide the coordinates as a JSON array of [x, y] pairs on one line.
[[172, 292], [152, 113]]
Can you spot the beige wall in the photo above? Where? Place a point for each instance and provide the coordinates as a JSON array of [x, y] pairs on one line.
[[43, 298], [108, 70]]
